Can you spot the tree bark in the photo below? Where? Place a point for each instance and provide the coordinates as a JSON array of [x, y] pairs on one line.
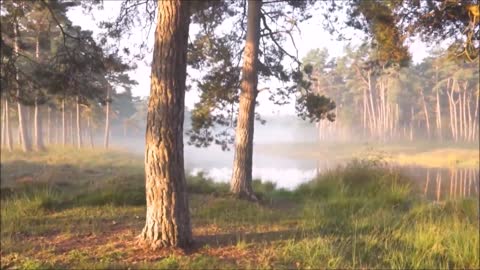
[[439, 118], [241, 182], [411, 124], [475, 116], [168, 218], [71, 133], [90, 131], [464, 112], [22, 130], [107, 120], [372, 106], [79, 126], [8, 131], [64, 124], [3, 125], [425, 111], [39, 146]]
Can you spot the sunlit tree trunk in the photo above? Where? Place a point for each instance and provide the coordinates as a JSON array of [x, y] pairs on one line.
[[372, 106], [64, 124], [22, 130], [38, 135], [38, 128], [475, 115], [107, 120], [56, 126], [425, 111], [411, 124], [451, 105], [460, 114], [439, 117], [8, 129], [464, 113], [71, 132], [3, 125], [49, 139], [167, 219], [79, 125], [364, 111], [241, 183], [90, 131]]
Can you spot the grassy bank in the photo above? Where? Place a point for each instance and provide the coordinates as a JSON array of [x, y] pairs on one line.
[[83, 209], [425, 154]]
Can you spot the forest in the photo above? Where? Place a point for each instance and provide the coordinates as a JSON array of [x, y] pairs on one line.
[[254, 143]]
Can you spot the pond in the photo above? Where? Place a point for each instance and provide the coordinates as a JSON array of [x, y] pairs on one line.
[[289, 173]]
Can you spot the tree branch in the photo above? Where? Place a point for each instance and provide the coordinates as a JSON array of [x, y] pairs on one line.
[[271, 34]]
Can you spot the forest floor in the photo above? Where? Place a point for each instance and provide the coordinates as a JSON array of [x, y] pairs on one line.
[[83, 209], [424, 154]]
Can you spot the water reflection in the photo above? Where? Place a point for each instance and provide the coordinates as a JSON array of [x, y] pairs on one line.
[[443, 184]]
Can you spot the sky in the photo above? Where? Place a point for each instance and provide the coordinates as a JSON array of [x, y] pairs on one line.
[[311, 36]]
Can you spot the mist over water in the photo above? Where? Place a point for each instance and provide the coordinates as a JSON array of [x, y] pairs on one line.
[[284, 170], [216, 164]]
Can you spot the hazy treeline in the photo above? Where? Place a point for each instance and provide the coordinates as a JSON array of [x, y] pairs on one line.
[[435, 99], [59, 86]]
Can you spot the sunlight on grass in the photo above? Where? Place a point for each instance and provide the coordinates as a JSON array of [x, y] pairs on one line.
[[357, 216]]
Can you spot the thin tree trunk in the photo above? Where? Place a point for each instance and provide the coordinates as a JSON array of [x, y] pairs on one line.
[[425, 111], [464, 113], [8, 131], [22, 130], [3, 125], [451, 106], [79, 126], [38, 129], [411, 124], [107, 120], [49, 139], [90, 131], [439, 118], [460, 109], [241, 183], [167, 218], [470, 122], [71, 133], [364, 111], [475, 117], [64, 124], [56, 127]]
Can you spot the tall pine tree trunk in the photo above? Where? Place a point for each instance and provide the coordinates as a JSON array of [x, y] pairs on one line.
[[49, 139], [464, 113], [107, 120], [3, 126], [241, 182], [64, 124], [8, 130], [372, 106], [425, 111], [168, 219], [439, 118], [38, 138], [475, 117], [90, 131], [71, 133], [79, 126], [39, 146], [22, 129]]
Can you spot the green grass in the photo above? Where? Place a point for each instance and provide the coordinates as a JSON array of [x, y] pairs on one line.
[[83, 210]]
